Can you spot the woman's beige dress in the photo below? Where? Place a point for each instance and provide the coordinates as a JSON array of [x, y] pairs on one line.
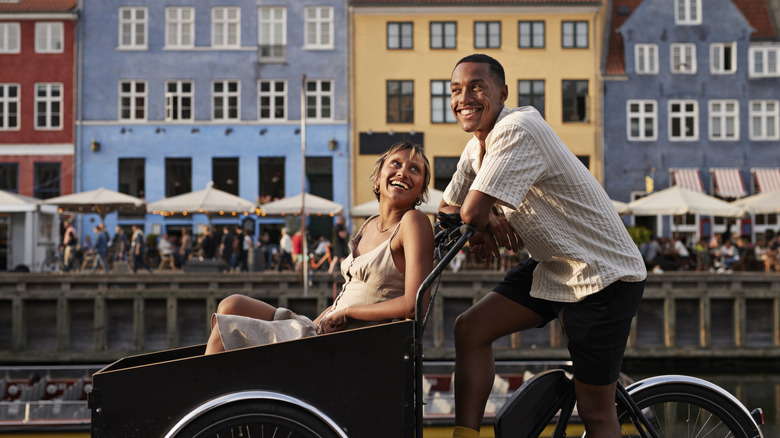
[[370, 278]]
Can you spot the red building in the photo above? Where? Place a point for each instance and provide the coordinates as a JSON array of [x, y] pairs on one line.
[[37, 89]]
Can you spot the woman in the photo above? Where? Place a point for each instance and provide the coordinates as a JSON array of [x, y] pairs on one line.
[[390, 257]]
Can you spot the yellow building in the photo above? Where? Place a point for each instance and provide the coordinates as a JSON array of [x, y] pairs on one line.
[[402, 55]]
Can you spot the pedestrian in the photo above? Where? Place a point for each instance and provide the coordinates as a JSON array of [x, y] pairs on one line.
[[285, 250], [101, 248], [119, 244], [185, 247], [137, 247], [207, 244], [340, 235], [70, 242], [520, 185]]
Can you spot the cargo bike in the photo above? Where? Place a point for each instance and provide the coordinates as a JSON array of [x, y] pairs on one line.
[[368, 382]]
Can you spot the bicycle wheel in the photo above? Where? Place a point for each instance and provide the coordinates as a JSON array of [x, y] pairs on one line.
[[257, 418], [681, 409]]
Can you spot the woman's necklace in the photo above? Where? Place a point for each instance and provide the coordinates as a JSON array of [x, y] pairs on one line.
[[385, 230]]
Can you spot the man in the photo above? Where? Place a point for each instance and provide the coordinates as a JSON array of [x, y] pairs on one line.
[[137, 246], [101, 247], [585, 270], [69, 243], [340, 235]]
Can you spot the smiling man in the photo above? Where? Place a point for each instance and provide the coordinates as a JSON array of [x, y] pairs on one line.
[[520, 185]]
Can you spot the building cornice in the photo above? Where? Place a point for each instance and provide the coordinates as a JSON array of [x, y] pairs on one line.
[[470, 10], [72, 16]]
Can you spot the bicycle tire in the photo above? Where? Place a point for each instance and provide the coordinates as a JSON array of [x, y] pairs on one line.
[[682, 409], [257, 418]]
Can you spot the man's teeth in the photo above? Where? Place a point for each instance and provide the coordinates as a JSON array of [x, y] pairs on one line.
[[468, 111]]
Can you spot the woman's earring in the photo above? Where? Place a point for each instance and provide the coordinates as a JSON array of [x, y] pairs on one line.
[[376, 190], [418, 202]]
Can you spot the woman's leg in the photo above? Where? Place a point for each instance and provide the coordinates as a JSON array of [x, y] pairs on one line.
[[240, 305]]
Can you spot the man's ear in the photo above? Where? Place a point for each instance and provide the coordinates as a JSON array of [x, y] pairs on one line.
[[504, 93]]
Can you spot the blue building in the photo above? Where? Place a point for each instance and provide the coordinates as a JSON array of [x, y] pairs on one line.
[[173, 96], [691, 98]]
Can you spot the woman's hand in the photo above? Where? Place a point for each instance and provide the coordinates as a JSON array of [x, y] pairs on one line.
[[334, 322]]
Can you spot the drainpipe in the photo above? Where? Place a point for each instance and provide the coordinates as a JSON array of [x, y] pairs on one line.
[[79, 67]]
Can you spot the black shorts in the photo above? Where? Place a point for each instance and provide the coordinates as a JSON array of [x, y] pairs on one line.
[[596, 328]]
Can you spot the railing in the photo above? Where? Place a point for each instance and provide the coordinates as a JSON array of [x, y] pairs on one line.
[[100, 318]]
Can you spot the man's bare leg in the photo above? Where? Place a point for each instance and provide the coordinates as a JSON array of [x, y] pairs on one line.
[[596, 408]]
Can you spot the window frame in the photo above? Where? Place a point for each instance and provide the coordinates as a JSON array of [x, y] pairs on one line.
[[446, 44], [133, 22], [180, 24], [532, 97], [575, 43], [272, 94], [646, 55], [401, 97], [319, 95], [440, 102], [642, 116], [723, 117], [764, 52], [682, 48], [272, 24], [402, 28], [532, 35], [764, 115], [720, 48], [133, 95], [489, 27], [54, 34], [683, 12], [5, 102], [179, 95], [694, 114], [49, 101], [222, 40], [226, 97], [5, 33], [320, 24]]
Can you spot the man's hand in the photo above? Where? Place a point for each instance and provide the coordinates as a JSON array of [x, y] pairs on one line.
[[504, 233], [483, 246]]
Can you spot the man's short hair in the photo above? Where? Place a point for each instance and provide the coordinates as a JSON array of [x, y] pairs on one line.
[[495, 67]]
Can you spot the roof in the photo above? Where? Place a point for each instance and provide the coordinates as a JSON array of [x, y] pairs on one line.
[[38, 6], [756, 12], [472, 2]]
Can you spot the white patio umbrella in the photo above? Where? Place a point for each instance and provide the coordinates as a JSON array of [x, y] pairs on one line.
[[676, 201], [100, 201], [209, 201], [292, 205], [621, 207], [12, 202], [371, 208], [762, 203]]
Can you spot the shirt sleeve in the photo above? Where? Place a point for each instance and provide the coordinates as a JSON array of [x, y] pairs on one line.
[[458, 188], [512, 163]]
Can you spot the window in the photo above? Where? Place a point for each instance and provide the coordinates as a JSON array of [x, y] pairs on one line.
[[724, 120], [764, 61], [440, 103], [575, 101], [47, 180], [272, 96], [9, 106], [180, 27], [132, 28], [487, 34], [399, 36], [271, 178], [225, 100], [444, 35], [574, 34], [224, 173], [48, 37], [48, 106], [530, 34], [178, 176], [642, 120], [683, 120], [687, 11], [272, 34], [646, 58], [178, 100], [132, 176], [531, 93], [9, 177], [683, 58], [318, 27], [226, 27], [723, 58], [9, 37], [764, 116], [400, 102], [443, 169], [132, 100], [319, 99]]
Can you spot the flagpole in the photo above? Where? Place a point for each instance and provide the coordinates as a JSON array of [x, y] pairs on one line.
[[303, 189]]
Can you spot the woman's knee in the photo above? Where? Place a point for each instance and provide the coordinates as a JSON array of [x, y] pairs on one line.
[[230, 304]]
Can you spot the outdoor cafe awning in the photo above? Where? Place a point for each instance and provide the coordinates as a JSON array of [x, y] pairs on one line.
[[767, 180], [728, 183], [687, 178]]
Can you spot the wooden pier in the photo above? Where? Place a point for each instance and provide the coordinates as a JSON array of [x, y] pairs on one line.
[[53, 318]]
